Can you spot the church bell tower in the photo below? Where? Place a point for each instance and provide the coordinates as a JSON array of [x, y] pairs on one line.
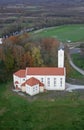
[[61, 57]]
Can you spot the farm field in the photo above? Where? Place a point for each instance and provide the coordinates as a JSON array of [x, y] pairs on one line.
[[43, 112], [73, 33]]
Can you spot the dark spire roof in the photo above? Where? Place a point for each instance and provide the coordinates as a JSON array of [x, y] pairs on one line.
[[61, 46]]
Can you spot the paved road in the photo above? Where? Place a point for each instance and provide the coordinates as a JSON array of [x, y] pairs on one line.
[[74, 66], [70, 87], [74, 50]]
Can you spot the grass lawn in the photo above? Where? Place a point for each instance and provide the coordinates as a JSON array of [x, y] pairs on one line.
[[64, 112], [75, 77], [64, 33], [78, 60]]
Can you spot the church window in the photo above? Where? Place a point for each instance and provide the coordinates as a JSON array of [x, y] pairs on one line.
[[29, 88], [60, 82], [36, 87], [54, 82], [48, 81], [41, 79], [33, 89]]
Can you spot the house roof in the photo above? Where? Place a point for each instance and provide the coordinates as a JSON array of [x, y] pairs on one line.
[[44, 71], [33, 81], [20, 73]]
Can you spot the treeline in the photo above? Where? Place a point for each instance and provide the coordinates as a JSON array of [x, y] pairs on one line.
[[21, 17], [25, 25], [37, 23], [19, 52]]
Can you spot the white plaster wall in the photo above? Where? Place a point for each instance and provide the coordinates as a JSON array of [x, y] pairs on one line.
[[61, 58], [51, 87], [57, 87], [23, 89], [41, 89], [29, 89], [20, 80]]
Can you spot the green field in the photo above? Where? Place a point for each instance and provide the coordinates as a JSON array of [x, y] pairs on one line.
[[74, 33], [63, 112], [78, 60]]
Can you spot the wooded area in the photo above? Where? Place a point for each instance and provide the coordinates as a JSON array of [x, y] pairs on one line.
[[18, 52]]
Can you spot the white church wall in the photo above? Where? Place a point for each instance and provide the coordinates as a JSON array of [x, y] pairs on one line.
[[20, 80], [23, 88], [55, 83], [32, 90], [35, 89], [61, 83], [49, 81], [28, 89], [41, 89]]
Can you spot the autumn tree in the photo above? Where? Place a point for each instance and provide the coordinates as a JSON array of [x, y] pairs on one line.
[[27, 60], [9, 60], [14, 39], [36, 54], [18, 52], [12, 54], [28, 46], [49, 49]]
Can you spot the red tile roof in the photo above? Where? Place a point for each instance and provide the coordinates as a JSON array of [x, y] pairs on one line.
[[33, 81], [23, 84], [44, 71], [40, 71], [20, 73]]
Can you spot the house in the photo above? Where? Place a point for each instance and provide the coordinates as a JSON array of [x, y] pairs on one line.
[[34, 80]]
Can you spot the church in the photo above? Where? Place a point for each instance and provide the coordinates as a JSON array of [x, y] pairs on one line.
[[34, 80]]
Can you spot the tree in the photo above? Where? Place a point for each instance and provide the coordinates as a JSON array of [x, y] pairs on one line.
[[14, 39], [82, 49], [36, 54], [49, 49], [27, 60], [18, 52], [9, 60]]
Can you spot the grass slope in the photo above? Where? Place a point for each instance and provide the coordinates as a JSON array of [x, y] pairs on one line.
[[78, 60], [62, 113], [64, 33]]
